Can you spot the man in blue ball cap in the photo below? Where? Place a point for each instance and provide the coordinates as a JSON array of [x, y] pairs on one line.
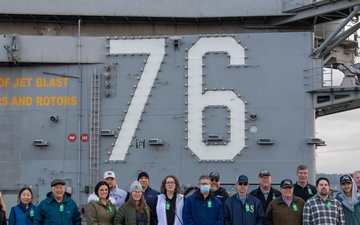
[[242, 208]]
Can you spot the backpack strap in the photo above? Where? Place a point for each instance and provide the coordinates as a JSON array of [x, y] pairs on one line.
[[26, 213]]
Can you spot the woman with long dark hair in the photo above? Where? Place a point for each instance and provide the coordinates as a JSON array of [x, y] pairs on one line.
[[167, 207]]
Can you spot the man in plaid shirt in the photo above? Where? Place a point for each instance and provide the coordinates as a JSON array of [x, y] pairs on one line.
[[322, 209]]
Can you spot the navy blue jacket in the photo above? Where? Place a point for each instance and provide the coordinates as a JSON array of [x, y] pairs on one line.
[[200, 211], [150, 195], [237, 213], [18, 217]]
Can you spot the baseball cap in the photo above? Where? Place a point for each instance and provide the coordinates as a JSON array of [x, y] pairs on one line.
[[242, 179], [286, 183], [264, 173], [56, 182], [214, 174], [345, 179], [108, 174]]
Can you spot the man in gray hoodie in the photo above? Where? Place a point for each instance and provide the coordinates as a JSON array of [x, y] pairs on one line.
[[350, 200]]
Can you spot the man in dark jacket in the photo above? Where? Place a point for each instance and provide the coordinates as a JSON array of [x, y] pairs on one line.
[[242, 208], [218, 191], [149, 193], [302, 188], [265, 192], [202, 207], [58, 208]]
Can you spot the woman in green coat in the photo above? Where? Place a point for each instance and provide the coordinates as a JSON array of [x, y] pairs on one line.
[[135, 211], [100, 208]]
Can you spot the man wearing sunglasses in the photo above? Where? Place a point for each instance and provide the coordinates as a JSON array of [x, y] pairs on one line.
[[242, 208], [218, 191]]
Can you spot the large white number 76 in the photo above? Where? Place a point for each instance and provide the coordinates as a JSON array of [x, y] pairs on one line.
[[196, 100]]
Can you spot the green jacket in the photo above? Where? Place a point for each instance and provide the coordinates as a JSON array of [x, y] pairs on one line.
[[352, 217], [126, 215], [50, 212], [98, 213]]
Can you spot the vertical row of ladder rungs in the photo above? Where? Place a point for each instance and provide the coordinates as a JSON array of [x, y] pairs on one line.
[[94, 129]]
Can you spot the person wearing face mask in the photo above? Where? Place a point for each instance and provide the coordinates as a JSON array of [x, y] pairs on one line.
[[203, 208]]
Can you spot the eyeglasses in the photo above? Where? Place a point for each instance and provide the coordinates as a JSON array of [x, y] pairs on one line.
[[170, 182], [243, 184], [214, 179]]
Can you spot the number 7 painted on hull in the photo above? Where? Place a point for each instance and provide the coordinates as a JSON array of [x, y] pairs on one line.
[[156, 50]]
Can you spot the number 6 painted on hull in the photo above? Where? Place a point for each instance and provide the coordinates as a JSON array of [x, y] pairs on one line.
[[197, 100]]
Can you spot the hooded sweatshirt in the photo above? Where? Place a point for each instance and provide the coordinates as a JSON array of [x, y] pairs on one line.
[[352, 208]]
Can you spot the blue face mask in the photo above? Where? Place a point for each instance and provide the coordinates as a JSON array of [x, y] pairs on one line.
[[205, 188]]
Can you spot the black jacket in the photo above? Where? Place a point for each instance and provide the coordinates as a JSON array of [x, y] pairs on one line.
[[221, 194], [273, 193], [2, 216]]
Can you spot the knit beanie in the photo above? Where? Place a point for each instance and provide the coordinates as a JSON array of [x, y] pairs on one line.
[[135, 186], [143, 174]]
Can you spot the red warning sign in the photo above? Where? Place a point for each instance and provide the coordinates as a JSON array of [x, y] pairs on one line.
[[84, 137], [72, 137]]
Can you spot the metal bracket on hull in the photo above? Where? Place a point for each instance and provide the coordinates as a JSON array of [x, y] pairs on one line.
[[13, 49]]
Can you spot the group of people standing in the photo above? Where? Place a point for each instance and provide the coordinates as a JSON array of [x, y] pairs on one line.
[[298, 203], [141, 206]]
